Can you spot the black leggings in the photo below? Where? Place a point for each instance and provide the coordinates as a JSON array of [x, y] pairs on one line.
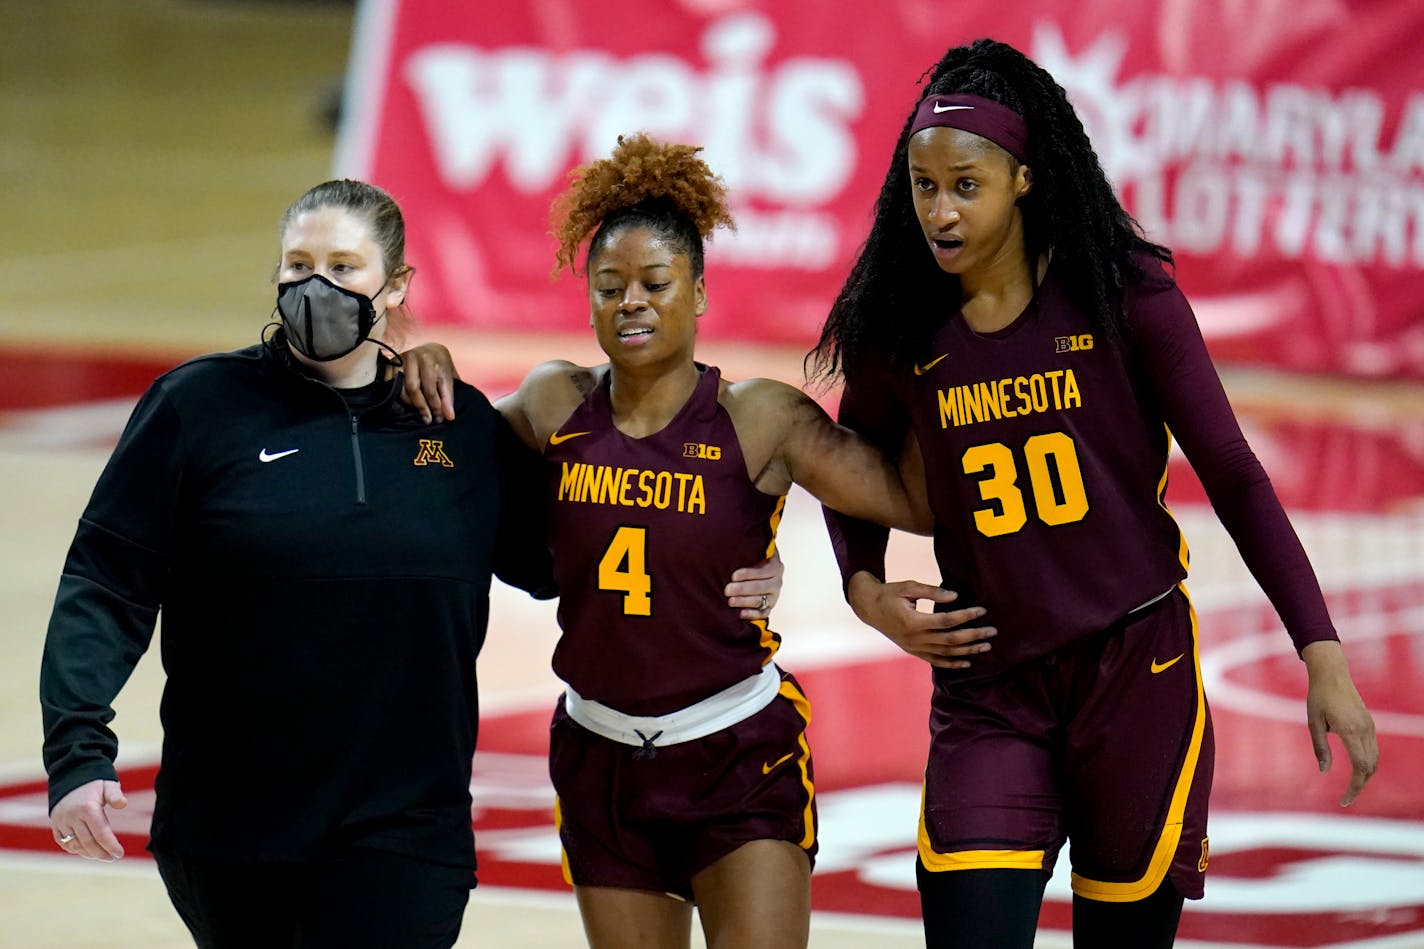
[[363, 899], [1150, 923], [998, 909]]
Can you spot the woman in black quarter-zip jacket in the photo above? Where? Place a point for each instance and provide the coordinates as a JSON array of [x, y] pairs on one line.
[[322, 558]]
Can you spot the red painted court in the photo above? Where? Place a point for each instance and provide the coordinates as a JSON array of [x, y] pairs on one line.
[[1288, 867]]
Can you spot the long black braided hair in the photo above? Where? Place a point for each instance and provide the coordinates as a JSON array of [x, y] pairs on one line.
[[1072, 210]]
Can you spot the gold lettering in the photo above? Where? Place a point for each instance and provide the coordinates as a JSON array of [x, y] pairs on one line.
[[682, 480], [1004, 405], [632, 487], [568, 480], [604, 491], [948, 414], [989, 398], [974, 412], [1072, 398], [432, 452], [1009, 397], [1052, 376], [662, 492], [1039, 390], [587, 482]]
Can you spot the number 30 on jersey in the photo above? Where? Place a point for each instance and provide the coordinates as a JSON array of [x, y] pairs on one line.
[[1054, 478]]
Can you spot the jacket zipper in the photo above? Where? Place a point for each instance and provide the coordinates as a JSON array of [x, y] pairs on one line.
[[360, 469]]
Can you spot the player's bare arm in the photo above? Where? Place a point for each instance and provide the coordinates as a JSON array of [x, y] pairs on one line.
[[788, 438], [545, 399]]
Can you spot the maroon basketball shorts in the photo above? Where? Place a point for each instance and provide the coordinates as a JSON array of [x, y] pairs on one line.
[[1106, 743], [643, 821]]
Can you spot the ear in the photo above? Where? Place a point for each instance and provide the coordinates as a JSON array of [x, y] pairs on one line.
[[400, 282], [699, 294], [1023, 181]]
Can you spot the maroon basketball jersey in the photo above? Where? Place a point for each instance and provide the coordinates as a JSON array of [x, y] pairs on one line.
[[645, 534], [1045, 470]]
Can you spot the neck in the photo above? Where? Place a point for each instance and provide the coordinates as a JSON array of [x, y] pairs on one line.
[[995, 294], [645, 401], [355, 369]]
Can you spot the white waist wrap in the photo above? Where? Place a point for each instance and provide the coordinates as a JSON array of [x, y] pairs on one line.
[[733, 704]]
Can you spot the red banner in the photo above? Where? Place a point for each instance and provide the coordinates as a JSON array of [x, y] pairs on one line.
[[1277, 147]]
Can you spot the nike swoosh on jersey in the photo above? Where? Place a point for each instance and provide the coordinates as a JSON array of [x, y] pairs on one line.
[[1161, 666], [265, 456], [921, 370], [557, 439], [767, 768]]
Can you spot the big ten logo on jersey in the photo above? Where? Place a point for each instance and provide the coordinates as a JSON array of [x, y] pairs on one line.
[[1072, 344], [699, 450], [432, 452]]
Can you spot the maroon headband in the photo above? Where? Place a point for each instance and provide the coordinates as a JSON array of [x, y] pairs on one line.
[[983, 117]]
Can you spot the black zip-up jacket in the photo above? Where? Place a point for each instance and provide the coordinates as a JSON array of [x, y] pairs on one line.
[[322, 561]]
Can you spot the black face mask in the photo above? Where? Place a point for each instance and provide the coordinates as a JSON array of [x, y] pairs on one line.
[[324, 321]]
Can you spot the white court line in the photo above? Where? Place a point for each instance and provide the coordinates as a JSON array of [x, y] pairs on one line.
[[63, 865], [1402, 941], [1217, 661]]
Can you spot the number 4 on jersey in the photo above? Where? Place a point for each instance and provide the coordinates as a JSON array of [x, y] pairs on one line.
[[624, 569]]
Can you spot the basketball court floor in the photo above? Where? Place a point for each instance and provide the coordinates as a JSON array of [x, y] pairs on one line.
[[147, 151]]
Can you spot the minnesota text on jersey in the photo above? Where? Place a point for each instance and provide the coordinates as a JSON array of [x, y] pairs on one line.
[[633, 487], [1051, 391]]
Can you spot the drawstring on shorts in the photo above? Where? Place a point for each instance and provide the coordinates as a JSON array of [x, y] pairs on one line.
[[648, 749]]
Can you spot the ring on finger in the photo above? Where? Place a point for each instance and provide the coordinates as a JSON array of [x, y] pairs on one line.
[[763, 602], [66, 838]]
